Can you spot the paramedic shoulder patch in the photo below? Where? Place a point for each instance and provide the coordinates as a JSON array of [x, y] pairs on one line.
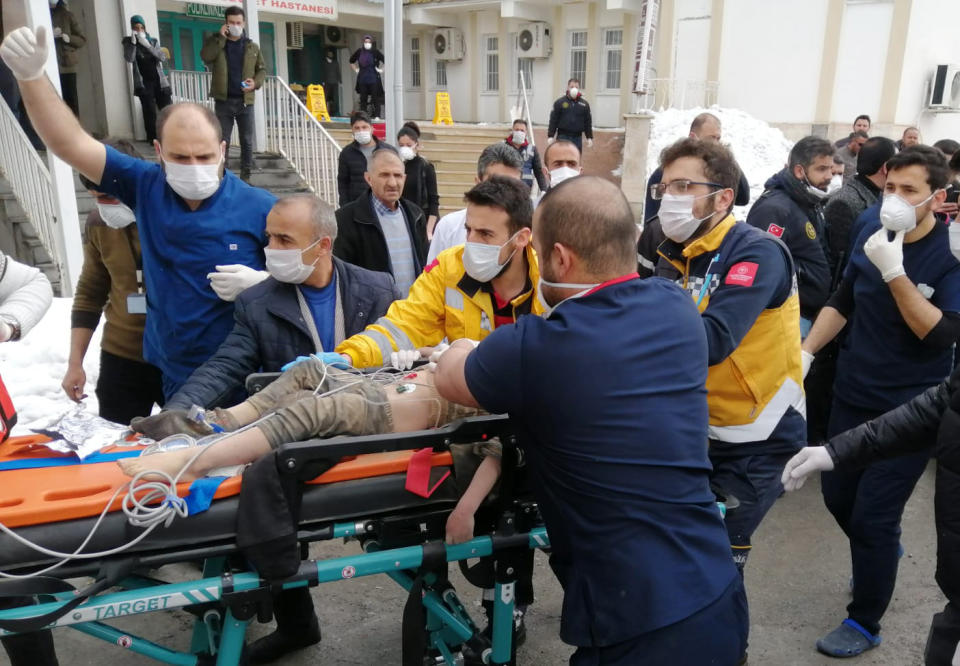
[[742, 274], [776, 230]]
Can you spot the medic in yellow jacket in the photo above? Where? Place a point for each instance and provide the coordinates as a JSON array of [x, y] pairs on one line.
[[446, 302]]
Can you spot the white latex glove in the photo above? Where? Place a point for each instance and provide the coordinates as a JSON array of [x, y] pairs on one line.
[[435, 356], [807, 461], [885, 254], [589, 143], [25, 52], [806, 358], [65, 37], [550, 140], [404, 359], [57, 32], [228, 281], [379, 70]]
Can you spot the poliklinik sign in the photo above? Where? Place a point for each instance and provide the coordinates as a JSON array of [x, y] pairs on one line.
[[321, 9]]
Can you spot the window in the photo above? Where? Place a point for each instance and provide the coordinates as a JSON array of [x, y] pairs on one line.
[[492, 63], [612, 57], [441, 74], [578, 56], [525, 65], [414, 62]]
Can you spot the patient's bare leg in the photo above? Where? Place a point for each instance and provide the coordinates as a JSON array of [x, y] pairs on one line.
[[238, 449]]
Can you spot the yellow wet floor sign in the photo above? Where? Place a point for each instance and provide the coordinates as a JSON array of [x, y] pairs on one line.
[[442, 112], [317, 102]]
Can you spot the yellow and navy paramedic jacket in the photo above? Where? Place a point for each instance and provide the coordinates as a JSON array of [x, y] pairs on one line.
[[444, 302], [743, 282]]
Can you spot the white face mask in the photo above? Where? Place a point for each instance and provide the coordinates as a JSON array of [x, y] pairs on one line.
[[547, 308], [898, 214], [835, 184], [363, 138], [193, 182], [482, 261], [407, 153], [287, 265], [235, 30], [367, 45], [116, 216], [676, 216], [574, 92], [519, 136], [561, 174]]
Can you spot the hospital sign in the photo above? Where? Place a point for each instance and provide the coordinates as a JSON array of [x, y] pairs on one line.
[[318, 9]]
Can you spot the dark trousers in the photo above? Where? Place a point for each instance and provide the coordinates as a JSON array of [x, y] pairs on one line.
[[867, 504], [233, 109], [819, 389], [34, 649], [576, 139], [68, 86], [944, 637], [152, 99], [127, 388], [755, 481], [715, 635], [368, 99], [293, 610], [331, 95]]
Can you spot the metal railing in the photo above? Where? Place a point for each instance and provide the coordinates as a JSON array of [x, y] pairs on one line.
[[677, 94], [29, 181], [291, 130]]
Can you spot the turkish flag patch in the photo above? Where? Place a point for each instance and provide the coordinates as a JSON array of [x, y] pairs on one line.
[[742, 274], [775, 230], [433, 264]]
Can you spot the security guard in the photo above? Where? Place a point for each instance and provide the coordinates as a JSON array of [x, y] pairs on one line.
[[743, 284], [570, 118], [468, 290]]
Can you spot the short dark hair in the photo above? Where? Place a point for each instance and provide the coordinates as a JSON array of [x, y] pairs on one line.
[[955, 161], [558, 143], [874, 154], [592, 217], [508, 194], [204, 111], [123, 146], [838, 160], [234, 10], [863, 116], [357, 116], [807, 149], [931, 159], [701, 120], [947, 146], [859, 134], [521, 121], [718, 164], [569, 81], [498, 153]]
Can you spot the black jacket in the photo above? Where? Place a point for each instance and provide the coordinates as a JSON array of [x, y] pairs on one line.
[[360, 238], [929, 422], [651, 207], [350, 169], [787, 211], [420, 186], [571, 117], [269, 332], [842, 209]]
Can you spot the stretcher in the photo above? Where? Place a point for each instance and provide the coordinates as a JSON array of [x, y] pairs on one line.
[[348, 487]]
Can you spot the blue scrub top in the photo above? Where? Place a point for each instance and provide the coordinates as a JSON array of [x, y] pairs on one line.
[[186, 321], [882, 363], [610, 401]]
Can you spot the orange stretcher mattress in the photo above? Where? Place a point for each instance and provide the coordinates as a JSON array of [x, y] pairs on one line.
[[53, 494]]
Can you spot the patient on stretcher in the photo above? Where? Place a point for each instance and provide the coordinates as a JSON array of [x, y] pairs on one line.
[[313, 400]]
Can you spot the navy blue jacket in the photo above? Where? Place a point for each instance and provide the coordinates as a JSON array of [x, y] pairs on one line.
[[269, 332], [787, 211]]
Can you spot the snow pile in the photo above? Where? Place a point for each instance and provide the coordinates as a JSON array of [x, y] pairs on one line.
[[760, 150], [33, 368]]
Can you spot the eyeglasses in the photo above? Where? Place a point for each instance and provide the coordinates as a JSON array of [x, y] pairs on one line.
[[676, 187]]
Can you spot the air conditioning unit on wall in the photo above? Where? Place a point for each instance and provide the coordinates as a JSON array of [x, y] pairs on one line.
[[945, 88], [448, 44], [533, 40], [334, 36], [294, 34]]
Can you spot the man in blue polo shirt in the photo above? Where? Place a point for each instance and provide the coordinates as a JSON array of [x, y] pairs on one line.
[[611, 408], [193, 215], [900, 302]]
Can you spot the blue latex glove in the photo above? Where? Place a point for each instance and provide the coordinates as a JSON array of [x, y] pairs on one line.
[[328, 358]]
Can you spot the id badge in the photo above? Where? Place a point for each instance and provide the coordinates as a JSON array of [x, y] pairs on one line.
[[137, 304]]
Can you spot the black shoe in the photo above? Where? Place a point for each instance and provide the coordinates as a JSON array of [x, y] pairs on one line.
[[471, 658], [273, 646]]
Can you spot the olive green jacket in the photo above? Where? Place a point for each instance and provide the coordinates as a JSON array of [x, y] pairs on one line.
[[215, 58], [67, 57]]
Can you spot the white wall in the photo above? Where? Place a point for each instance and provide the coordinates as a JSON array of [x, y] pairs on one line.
[[770, 58], [864, 36]]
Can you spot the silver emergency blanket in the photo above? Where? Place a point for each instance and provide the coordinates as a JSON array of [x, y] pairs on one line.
[[82, 433]]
